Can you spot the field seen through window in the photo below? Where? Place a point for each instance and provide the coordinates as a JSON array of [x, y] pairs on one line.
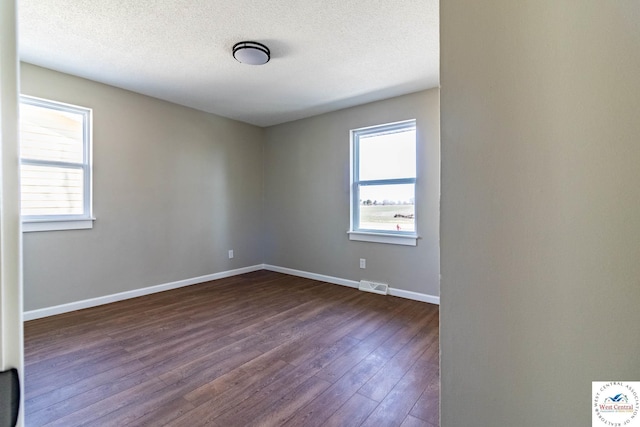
[[388, 217]]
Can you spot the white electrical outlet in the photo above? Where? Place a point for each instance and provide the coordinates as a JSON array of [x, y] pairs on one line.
[[230, 253], [363, 263]]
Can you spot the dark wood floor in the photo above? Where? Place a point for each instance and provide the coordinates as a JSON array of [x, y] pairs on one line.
[[260, 349]]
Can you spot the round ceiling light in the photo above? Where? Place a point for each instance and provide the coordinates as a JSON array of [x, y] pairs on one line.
[[252, 53]]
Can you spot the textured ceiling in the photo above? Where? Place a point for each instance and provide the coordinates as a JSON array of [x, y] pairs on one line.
[[326, 55]]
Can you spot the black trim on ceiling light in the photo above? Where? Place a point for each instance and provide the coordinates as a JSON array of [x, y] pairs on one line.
[[253, 53]]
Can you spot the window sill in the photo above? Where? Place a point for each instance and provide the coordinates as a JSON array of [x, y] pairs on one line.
[[76, 224], [392, 239]]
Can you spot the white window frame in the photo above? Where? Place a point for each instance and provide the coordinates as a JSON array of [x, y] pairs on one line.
[[64, 222], [406, 238]]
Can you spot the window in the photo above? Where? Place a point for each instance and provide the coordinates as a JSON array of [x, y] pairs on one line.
[[55, 165], [384, 184]]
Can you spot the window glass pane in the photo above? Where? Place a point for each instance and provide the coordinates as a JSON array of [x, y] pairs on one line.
[[49, 134], [387, 207], [49, 190], [388, 156]]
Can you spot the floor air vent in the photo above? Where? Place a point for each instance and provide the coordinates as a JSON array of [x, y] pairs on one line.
[[375, 287]]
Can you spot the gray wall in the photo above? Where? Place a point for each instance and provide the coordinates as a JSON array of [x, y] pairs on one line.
[[540, 230], [307, 196], [174, 189]]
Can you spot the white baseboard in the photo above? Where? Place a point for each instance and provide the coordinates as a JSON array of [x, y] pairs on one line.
[[92, 302], [314, 276], [431, 299], [417, 296]]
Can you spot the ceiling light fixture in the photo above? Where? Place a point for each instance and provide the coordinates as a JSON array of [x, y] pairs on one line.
[[252, 53]]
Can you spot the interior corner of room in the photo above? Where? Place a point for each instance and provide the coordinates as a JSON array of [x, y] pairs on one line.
[[175, 189]]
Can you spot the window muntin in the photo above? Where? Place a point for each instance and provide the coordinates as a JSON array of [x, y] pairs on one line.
[[384, 179], [55, 161]]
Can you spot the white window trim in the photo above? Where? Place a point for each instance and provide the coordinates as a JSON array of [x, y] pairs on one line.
[[393, 239], [377, 236], [58, 224], [66, 222]]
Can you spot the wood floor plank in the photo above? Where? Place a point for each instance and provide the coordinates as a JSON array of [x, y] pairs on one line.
[[315, 413], [383, 382], [258, 349], [263, 400], [352, 413], [238, 384], [89, 415], [157, 408], [69, 391], [395, 407], [427, 406], [75, 373], [79, 401], [285, 407], [351, 358], [416, 422]]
